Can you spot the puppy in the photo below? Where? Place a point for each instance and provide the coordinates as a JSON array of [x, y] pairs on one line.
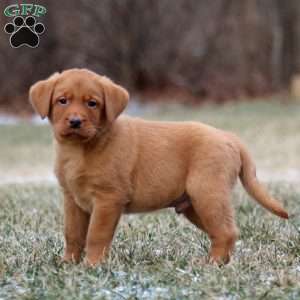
[[107, 166]]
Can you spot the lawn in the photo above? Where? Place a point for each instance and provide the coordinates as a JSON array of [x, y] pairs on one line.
[[154, 256]]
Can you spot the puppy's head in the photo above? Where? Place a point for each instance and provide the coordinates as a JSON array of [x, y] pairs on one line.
[[78, 103]]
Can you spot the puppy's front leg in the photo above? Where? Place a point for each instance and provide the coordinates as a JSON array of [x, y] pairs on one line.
[[76, 223], [104, 219]]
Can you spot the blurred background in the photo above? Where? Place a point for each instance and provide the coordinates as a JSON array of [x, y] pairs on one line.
[[189, 51], [233, 64]]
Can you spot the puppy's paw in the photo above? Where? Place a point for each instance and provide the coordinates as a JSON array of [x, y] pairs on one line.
[[208, 260], [70, 258], [219, 261], [92, 262]]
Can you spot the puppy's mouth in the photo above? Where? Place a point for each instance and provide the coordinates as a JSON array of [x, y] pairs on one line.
[[80, 134], [73, 134]]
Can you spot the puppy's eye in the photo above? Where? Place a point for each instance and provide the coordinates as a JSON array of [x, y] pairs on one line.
[[63, 101], [91, 103]]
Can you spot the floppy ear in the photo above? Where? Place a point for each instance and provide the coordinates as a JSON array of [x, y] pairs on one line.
[[40, 95], [115, 98]]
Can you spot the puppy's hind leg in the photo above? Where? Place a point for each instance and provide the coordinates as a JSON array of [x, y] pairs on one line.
[[212, 212], [191, 215]]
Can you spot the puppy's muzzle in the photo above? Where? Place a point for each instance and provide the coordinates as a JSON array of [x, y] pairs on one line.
[[75, 123]]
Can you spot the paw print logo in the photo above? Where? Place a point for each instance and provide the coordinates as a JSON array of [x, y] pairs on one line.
[[24, 32]]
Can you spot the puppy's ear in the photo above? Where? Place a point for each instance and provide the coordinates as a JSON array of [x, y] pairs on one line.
[[40, 95], [115, 98]]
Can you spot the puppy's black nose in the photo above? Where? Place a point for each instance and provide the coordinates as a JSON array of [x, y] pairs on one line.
[[75, 123]]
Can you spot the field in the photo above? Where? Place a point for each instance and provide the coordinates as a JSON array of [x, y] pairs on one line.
[[154, 256]]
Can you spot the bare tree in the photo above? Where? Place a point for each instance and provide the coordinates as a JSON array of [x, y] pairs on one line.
[[219, 50]]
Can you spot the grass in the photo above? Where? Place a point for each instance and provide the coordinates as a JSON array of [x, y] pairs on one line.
[[25, 150], [154, 256]]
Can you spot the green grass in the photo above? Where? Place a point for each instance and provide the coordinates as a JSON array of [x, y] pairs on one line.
[[154, 256], [25, 150]]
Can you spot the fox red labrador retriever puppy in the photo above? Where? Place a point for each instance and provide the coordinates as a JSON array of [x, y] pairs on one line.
[[107, 166]]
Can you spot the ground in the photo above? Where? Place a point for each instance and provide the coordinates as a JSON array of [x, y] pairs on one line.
[[154, 256]]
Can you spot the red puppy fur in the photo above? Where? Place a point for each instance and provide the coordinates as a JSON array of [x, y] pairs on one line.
[[109, 165]]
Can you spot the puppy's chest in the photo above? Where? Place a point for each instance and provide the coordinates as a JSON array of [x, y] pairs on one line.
[[80, 182]]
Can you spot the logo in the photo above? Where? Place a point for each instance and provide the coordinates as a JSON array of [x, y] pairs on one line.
[[24, 30]]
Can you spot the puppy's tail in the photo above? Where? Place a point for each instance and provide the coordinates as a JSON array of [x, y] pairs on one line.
[[255, 188]]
